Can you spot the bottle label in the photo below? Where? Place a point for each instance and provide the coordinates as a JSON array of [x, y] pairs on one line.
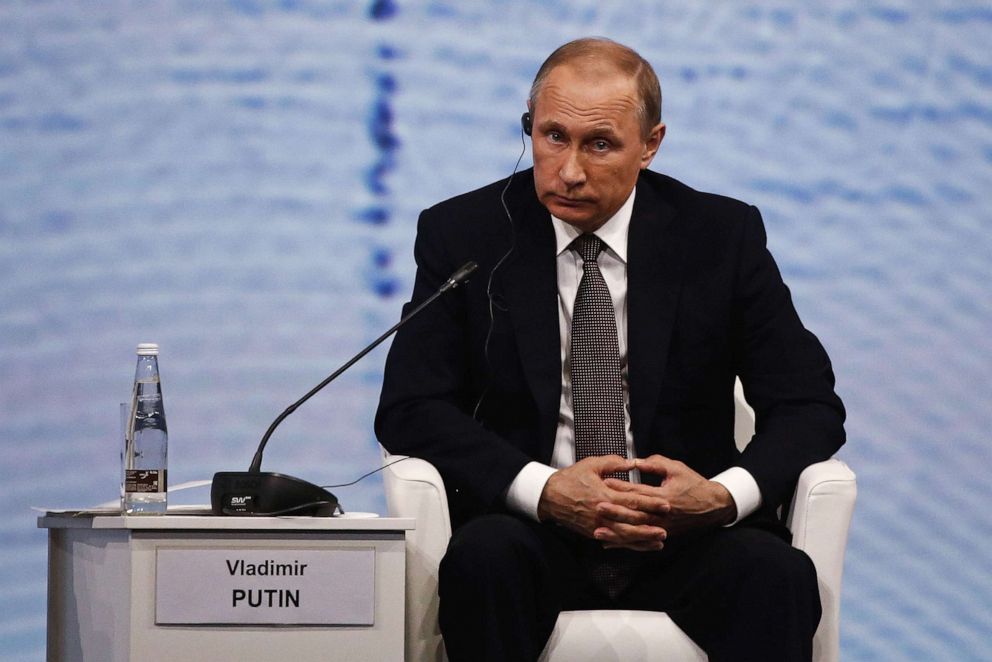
[[144, 480]]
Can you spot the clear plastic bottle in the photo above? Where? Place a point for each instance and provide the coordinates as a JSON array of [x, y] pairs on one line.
[[146, 440]]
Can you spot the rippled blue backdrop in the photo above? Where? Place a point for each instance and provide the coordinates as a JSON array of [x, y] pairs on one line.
[[239, 181]]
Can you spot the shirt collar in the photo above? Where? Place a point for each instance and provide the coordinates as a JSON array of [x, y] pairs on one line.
[[613, 232]]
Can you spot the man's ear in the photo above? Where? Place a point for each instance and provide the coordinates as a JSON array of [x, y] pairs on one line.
[[652, 144]]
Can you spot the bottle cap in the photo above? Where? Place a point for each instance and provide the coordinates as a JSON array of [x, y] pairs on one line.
[[148, 349]]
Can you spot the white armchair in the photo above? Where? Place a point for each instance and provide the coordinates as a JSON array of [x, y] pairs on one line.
[[818, 518]]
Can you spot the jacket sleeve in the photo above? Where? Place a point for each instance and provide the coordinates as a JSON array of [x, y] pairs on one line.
[[785, 371], [430, 383]]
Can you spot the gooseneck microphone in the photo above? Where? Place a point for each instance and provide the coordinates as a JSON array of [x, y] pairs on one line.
[[257, 492], [460, 276]]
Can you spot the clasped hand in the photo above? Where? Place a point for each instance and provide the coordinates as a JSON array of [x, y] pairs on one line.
[[633, 516]]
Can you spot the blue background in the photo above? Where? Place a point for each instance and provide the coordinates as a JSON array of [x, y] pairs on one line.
[[239, 181]]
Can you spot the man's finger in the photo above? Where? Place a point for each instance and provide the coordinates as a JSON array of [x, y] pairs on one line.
[[638, 497], [645, 503], [626, 535], [620, 532], [619, 485], [618, 513], [625, 486], [655, 464], [605, 464]]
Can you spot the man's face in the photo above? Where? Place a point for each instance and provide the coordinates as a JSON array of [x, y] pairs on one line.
[[587, 142]]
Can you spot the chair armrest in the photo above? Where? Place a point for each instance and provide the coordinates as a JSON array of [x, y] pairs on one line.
[[414, 489], [821, 510], [819, 519]]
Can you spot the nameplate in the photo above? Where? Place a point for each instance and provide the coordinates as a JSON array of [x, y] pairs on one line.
[[264, 586]]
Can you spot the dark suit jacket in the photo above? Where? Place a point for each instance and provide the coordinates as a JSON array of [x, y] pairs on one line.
[[706, 303]]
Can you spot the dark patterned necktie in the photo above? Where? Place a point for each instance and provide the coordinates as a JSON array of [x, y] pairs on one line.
[[597, 398], [597, 389]]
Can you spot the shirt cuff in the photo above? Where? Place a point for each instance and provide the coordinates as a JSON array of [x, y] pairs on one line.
[[524, 492], [743, 490]]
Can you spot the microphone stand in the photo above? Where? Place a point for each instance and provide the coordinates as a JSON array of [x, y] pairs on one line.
[[262, 493]]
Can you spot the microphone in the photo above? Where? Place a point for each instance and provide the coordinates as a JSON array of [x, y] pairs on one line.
[[456, 279], [260, 493]]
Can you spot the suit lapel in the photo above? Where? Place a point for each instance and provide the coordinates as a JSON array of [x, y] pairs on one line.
[[531, 281], [654, 275]]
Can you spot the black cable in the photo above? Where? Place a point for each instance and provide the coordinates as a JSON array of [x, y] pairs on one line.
[[492, 273], [363, 477]]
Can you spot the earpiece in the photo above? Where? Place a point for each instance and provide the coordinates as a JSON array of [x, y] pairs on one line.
[[526, 123]]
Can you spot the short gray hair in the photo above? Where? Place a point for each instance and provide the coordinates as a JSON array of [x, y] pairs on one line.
[[624, 58]]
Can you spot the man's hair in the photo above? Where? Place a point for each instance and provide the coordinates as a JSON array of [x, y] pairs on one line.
[[625, 59]]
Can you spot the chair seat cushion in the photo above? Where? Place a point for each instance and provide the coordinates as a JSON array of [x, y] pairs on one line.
[[615, 635]]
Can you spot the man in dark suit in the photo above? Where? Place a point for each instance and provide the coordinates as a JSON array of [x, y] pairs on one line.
[[492, 386]]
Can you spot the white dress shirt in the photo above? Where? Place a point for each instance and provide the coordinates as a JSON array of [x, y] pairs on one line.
[[525, 491]]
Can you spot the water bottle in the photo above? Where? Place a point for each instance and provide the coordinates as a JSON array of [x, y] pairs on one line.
[[146, 440]]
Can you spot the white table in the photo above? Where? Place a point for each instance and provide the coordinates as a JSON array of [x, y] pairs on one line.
[[102, 587]]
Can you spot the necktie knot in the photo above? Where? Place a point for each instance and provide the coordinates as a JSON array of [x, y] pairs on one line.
[[589, 246]]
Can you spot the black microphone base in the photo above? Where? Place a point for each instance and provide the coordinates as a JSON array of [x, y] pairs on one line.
[[262, 493]]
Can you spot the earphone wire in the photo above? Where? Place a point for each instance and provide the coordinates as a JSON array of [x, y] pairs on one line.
[[492, 272]]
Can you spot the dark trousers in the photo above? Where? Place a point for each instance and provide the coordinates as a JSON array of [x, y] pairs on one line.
[[741, 593]]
